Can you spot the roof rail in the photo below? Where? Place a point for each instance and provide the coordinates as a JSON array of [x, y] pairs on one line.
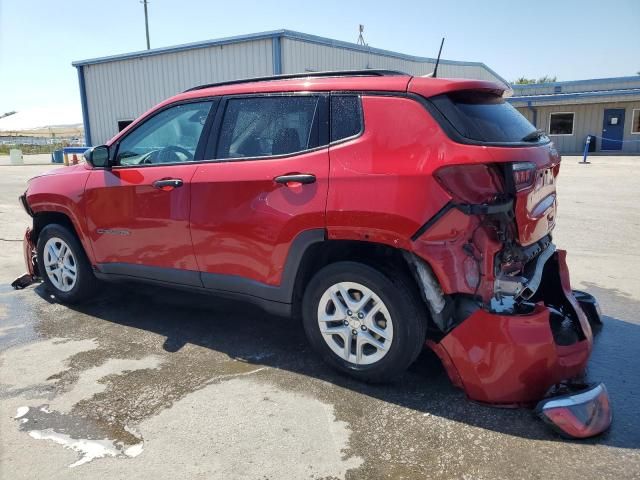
[[288, 76]]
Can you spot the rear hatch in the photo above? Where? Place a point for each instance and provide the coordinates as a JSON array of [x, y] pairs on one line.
[[527, 158], [536, 203]]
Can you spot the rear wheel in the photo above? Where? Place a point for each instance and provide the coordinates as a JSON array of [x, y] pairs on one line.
[[364, 322], [63, 265]]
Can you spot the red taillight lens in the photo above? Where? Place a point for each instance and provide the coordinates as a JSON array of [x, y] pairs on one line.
[[471, 184], [524, 173], [581, 414]]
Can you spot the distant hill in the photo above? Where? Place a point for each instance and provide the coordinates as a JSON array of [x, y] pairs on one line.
[[42, 121]]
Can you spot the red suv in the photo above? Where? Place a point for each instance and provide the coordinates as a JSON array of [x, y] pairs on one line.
[[388, 211]]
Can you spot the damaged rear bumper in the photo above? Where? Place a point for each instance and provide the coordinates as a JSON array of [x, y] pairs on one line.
[[514, 359]]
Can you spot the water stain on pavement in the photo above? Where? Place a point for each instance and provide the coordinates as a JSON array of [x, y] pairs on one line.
[[146, 359], [107, 378], [91, 440]]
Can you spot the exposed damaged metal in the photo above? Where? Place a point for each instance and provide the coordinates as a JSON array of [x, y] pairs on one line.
[[526, 285], [430, 289]]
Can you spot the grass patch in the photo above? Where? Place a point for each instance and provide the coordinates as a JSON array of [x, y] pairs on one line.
[[30, 149]]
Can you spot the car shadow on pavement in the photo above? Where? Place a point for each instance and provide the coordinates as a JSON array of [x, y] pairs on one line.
[[247, 334]]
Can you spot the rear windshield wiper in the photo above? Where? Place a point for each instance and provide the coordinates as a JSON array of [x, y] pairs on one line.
[[535, 135]]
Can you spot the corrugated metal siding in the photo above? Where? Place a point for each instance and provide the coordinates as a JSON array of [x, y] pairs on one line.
[[301, 56], [587, 121], [122, 90]]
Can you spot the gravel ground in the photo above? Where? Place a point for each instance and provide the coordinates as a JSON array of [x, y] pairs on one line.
[[145, 382]]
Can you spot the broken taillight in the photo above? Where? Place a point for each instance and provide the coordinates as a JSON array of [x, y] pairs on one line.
[[581, 414], [524, 173], [471, 183]]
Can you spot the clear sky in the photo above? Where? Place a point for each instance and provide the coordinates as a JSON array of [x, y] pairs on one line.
[[572, 39]]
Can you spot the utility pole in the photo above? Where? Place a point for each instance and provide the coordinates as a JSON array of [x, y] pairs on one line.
[[146, 22]]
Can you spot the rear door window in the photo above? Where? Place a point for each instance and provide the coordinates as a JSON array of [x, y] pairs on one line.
[[268, 126], [485, 117], [346, 117]]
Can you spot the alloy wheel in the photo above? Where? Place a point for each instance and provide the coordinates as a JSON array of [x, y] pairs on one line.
[[355, 323], [60, 264]]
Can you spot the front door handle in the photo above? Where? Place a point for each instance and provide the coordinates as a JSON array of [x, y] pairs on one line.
[[168, 184], [293, 178]]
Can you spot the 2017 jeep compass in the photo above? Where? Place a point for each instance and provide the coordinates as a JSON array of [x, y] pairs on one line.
[[387, 211]]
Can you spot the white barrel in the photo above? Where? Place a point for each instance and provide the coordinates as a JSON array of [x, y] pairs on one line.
[[15, 157]]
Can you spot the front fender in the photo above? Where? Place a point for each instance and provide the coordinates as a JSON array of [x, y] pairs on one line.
[[62, 194]]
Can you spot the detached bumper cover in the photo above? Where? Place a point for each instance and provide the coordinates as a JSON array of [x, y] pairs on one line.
[[29, 252], [513, 360]]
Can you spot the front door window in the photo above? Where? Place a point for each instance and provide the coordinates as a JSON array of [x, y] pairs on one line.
[[171, 136]]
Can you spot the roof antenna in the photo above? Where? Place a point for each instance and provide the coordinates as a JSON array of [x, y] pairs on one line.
[[435, 70], [361, 37]]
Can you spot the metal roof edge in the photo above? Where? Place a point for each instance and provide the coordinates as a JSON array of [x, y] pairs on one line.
[[284, 33], [181, 47], [380, 51]]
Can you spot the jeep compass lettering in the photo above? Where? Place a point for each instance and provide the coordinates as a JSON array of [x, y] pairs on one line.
[[386, 211]]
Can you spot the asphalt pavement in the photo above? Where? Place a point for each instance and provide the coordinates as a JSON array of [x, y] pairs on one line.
[[145, 382]]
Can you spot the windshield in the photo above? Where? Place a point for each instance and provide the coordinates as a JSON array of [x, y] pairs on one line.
[[486, 117]]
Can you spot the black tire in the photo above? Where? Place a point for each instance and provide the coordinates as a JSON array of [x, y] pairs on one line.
[[398, 293], [86, 282]]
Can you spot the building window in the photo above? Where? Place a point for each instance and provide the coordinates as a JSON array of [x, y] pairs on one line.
[[122, 124], [635, 122], [561, 123]]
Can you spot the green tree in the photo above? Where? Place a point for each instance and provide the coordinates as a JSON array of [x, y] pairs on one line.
[[529, 81], [547, 79], [524, 81]]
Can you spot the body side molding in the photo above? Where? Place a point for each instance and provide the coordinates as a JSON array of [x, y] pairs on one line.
[[281, 293], [231, 285]]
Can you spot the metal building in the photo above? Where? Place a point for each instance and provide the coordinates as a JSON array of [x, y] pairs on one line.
[[605, 108], [115, 90]]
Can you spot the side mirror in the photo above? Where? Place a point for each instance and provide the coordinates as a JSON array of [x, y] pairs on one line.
[[98, 156]]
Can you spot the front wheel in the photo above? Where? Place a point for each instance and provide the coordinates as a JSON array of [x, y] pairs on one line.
[[63, 265], [363, 322]]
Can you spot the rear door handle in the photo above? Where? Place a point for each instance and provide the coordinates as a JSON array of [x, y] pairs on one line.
[[168, 184], [303, 178]]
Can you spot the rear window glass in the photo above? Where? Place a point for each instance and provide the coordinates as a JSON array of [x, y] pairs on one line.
[[268, 126], [346, 117], [484, 116]]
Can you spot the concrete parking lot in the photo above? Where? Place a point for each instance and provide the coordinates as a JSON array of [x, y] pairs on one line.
[[152, 383]]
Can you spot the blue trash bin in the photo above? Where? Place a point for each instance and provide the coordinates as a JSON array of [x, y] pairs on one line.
[[57, 157]]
